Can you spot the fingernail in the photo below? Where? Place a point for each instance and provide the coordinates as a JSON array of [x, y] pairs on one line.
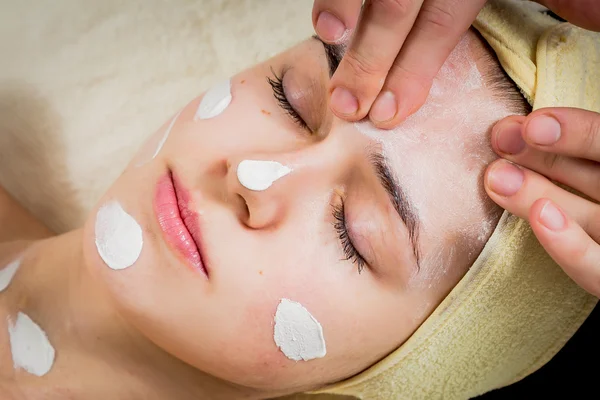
[[552, 218], [543, 130], [509, 139], [343, 102], [384, 108], [505, 178], [329, 27]]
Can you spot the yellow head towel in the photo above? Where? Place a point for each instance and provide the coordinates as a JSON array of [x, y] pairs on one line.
[[515, 308]]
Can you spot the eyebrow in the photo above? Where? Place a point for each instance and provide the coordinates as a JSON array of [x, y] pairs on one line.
[[334, 53], [401, 202]]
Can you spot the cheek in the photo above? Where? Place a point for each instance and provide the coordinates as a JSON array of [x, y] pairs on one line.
[[306, 291], [246, 350], [252, 121]]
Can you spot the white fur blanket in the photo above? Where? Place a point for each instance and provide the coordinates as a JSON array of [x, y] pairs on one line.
[[84, 82]]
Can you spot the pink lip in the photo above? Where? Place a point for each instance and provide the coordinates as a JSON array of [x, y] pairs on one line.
[[178, 223]]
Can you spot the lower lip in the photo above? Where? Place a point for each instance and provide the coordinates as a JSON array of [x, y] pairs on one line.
[[177, 221]]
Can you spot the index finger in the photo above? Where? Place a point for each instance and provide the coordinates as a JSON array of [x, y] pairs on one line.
[[334, 20], [382, 28]]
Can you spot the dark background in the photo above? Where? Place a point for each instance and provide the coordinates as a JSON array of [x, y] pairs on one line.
[[573, 372]]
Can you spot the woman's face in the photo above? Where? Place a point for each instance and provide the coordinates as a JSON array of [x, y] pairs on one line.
[[369, 261]]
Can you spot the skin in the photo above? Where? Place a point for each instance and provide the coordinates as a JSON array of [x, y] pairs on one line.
[[17, 222], [398, 46], [161, 330]]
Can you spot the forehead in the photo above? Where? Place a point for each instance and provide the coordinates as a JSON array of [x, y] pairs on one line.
[[439, 154]]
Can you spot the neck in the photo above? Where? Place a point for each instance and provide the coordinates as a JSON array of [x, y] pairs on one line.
[[94, 344]]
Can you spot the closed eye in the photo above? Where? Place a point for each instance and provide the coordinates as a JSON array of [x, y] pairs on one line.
[[276, 84]]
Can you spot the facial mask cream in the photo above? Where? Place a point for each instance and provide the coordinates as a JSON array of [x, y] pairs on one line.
[[297, 333], [260, 175], [166, 135], [118, 236], [30, 347], [214, 101], [7, 273]]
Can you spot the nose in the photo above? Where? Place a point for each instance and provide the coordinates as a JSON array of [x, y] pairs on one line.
[[269, 187]]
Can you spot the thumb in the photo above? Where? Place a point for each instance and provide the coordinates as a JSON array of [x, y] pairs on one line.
[[583, 13]]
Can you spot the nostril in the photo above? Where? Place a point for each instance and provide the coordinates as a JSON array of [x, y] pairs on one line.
[[244, 209]]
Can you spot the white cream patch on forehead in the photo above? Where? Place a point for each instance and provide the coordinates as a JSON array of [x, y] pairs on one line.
[[297, 333], [8, 272], [31, 350], [259, 175], [459, 70], [118, 236], [214, 101], [439, 155]]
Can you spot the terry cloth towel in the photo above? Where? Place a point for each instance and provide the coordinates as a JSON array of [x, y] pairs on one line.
[[515, 308]]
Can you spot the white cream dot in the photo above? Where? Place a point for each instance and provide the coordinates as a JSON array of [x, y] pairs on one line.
[[260, 175], [31, 350], [297, 333], [118, 236], [215, 100]]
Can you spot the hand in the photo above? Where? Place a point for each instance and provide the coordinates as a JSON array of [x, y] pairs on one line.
[[399, 47], [397, 50], [562, 144]]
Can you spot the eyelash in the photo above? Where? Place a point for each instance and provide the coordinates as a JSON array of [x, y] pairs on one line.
[[339, 215], [279, 94], [350, 251]]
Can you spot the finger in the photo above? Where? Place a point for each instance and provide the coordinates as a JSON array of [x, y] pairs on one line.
[[583, 13], [567, 243], [579, 174], [438, 29], [383, 26], [569, 131], [334, 20], [516, 189]]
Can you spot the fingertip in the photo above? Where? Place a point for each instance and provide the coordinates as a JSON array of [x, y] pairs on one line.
[[549, 215], [505, 179], [507, 139], [344, 104], [507, 121], [388, 112], [412, 93], [488, 182], [534, 218], [536, 207], [542, 130], [384, 109], [330, 28], [486, 177]]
